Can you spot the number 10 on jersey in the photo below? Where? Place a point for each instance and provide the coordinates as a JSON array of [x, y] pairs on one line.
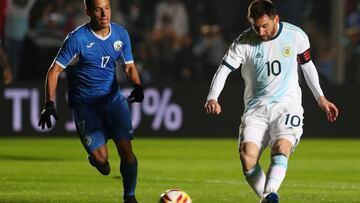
[[273, 68]]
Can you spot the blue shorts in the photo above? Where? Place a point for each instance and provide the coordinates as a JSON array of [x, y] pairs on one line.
[[95, 124]]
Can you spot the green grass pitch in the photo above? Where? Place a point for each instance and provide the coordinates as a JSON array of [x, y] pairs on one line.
[[56, 170]]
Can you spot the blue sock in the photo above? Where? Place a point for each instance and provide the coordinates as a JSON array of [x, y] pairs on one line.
[[129, 176]]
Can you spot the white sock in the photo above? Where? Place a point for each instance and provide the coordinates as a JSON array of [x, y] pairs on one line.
[[256, 179], [276, 173]]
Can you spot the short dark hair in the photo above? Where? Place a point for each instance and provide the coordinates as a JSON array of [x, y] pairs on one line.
[[88, 4], [259, 8]]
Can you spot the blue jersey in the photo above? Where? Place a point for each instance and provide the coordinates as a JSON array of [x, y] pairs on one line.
[[90, 62]]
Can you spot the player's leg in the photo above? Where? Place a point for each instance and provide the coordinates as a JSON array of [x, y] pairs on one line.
[[99, 159], [128, 168], [252, 136], [285, 131], [280, 153], [121, 130], [254, 175], [89, 127]]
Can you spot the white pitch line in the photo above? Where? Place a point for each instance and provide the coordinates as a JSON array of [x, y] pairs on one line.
[[341, 186]]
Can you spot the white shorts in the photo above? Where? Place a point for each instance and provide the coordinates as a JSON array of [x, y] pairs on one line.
[[265, 124]]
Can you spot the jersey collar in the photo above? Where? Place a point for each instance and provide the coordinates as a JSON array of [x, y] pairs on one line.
[[99, 36], [280, 26]]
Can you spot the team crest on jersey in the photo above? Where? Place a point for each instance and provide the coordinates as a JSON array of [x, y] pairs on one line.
[[287, 51], [118, 45]]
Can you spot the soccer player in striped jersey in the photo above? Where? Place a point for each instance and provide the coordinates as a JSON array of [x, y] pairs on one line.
[[100, 111], [268, 55]]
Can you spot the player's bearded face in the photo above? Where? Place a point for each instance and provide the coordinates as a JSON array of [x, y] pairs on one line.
[[266, 27], [100, 14]]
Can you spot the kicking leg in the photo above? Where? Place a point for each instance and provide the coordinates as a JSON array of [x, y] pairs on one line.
[[255, 176], [279, 159], [128, 169], [276, 174]]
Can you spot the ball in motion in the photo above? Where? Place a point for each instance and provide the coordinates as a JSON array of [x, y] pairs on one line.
[[175, 196]]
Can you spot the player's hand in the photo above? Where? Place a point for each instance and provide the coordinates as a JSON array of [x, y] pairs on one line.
[[212, 107], [330, 109], [45, 117], [137, 94]]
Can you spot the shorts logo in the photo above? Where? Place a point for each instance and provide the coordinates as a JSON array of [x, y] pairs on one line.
[[87, 140], [118, 45]]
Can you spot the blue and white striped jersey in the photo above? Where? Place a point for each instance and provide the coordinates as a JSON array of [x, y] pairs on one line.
[[269, 68]]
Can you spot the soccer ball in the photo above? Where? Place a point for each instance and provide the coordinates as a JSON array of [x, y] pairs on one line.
[[175, 196]]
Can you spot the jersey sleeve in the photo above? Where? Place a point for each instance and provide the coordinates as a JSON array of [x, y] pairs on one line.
[[218, 82], [307, 66], [303, 44], [233, 59], [312, 79], [126, 53], [235, 56], [302, 41], [68, 51]]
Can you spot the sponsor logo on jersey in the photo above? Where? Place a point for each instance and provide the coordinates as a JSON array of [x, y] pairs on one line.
[[89, 45], [287, 51], [118, 45], [258, 55]]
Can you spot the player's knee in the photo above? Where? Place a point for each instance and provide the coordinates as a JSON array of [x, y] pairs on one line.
[[100, 155], [248, 161], [282, 147], [125, 151], [126, 154], [99, 158], [249, 154], [128, 157], [103, 159]]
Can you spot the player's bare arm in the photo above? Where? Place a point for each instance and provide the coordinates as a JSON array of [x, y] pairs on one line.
[[132, 73], [49, 108], [329, 108], [51, 81], [212, 107]]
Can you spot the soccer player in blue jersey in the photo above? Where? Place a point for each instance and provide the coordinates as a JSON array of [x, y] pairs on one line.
[[268, 55], [100, 111]]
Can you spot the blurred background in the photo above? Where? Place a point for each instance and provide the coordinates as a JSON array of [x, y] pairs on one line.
[[177, 46]]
